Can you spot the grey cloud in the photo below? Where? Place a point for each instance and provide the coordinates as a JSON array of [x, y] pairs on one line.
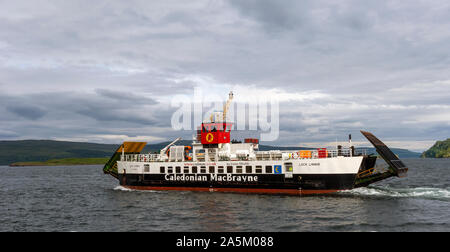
[[28, 112], [275, 16], [6, 134], [113, 67], [80, 112], [125, 96]]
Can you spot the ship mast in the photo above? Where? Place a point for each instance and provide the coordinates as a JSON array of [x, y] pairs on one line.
[[226, 107], [217, 116]]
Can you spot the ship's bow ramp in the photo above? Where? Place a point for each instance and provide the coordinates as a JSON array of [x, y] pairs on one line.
[[125, 148], [391, 159], [396, 166]]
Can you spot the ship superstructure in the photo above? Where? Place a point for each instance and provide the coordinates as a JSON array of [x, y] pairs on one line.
[[215, 163]]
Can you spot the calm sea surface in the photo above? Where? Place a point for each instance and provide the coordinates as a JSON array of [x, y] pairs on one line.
[[82, 198]]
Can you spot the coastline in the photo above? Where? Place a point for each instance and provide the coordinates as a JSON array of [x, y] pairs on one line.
[[63, 161]]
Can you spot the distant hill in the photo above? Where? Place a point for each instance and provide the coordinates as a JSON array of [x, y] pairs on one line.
[[44, 150], [401, 153], [441, 149]]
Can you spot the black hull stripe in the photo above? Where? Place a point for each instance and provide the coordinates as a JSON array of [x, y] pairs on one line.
[[303, 182]]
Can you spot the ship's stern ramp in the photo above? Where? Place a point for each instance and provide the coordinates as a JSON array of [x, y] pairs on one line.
[[125, 148], [396, 166]]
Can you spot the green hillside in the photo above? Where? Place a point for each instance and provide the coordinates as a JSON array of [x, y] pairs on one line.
[[441, 149], [43, 150], [401, 153], [65, 161]]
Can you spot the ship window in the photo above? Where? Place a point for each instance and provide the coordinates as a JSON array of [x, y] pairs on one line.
[[202, 169], [186, 169], [220, 169], [229, 169], [177, 169], [248, 169], [146, 168], [211, 169], [269, 169], [238, 169], [288, 167], [170, 169], [258, 169], [162, 169], [194, 169]]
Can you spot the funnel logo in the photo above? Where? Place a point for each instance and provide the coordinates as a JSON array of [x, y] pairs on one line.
[[209, 137]]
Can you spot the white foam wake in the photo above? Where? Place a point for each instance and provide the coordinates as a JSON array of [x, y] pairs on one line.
[[124, 189], [121, 188], [419, 192]]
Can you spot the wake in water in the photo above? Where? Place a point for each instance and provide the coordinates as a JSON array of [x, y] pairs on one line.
[[121, 188], [381, 191], [124, 189], [418, 192]]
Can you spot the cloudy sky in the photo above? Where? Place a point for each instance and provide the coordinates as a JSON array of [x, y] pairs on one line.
[[106, 71]]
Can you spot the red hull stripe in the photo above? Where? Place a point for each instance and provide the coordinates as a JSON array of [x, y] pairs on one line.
[[237, 190]]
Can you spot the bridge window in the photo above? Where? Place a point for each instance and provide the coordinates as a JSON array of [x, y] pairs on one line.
[[248, 169], [269, 169], [220, 169], [194, 169], [202, 169], [170, 169], [186, 169], [177, 169], [258, 169], [239, 169], [229, 169], [212, 169], [162, 169]]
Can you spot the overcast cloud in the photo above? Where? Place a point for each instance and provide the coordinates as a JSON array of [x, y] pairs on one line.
[[106, 71]]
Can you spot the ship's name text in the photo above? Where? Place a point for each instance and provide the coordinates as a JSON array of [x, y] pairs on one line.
[[213, 177]]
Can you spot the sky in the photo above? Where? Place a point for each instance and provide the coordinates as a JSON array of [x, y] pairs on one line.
[[107, 71]]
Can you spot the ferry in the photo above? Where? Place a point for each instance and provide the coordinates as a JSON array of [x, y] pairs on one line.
[[214, 163]]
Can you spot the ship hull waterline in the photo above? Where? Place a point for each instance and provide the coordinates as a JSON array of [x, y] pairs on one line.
[[298, 184], [235, 190]]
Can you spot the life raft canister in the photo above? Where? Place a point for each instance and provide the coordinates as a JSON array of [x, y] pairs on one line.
[[186, 153]]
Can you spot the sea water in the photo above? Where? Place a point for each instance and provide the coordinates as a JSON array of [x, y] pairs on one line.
[[82, 198]]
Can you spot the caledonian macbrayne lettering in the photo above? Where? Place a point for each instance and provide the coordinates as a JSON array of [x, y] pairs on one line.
[[212, 177]]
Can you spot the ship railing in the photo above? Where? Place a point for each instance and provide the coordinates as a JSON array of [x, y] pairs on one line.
[[264, 155], [308, 154], [141, 157]]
